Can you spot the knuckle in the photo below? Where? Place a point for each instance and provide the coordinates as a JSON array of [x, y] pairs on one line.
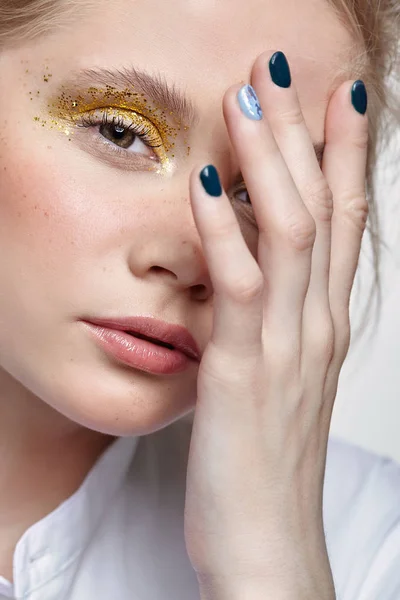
[[355, 208], [301, 233], [283, 358], [361, 141], [246, 289], [323, 340], [289, 116], [226, 228], [326, 346], [343, 336], [319, 199]]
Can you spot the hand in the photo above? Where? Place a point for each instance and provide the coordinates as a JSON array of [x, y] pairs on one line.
[[268, 377]]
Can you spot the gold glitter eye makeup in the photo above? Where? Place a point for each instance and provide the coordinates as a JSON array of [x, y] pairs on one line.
[[118, 127], [124, 117], [125, 130]]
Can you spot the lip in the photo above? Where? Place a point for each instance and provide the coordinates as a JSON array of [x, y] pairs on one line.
[[175, 335]]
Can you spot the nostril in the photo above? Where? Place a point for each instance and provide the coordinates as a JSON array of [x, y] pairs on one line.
[[199, 292], [158, 270]]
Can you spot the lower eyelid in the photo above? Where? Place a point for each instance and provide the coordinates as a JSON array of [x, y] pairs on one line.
[[111, 155], [123, 152]]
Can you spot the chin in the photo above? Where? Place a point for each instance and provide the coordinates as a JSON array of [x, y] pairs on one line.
[[121, 402]]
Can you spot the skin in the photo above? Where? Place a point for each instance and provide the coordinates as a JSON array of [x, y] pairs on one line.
[[80, 236]]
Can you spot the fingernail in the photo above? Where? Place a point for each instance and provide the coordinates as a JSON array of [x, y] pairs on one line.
[[210, 180], [279, 70], [359, 96], [249, 103]]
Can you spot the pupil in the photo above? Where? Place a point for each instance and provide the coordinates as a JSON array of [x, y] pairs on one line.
[[119, 132]]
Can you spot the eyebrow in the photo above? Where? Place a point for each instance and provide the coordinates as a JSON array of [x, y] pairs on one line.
[[155, 88]]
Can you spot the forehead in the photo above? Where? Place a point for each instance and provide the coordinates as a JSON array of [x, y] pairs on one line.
[[204, 46]]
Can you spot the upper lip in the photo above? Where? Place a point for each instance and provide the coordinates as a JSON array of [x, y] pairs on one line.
[[175, 335]]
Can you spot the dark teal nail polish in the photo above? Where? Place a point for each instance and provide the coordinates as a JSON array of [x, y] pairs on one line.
[[210, 180], [279, 70], [359, 96]]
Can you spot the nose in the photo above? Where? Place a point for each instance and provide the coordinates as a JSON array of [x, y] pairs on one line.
[[166, 243]]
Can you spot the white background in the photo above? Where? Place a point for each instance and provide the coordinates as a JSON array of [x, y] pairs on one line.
[[367, 409]]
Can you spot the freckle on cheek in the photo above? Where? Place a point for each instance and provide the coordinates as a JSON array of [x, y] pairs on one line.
[[22, 199]]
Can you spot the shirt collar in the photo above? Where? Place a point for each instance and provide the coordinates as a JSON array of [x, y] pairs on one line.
[[64, 533]]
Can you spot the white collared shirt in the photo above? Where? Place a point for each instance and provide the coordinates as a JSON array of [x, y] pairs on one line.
[[120, 535]]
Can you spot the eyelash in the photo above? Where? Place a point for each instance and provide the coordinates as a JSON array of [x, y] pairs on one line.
[[145, 131]]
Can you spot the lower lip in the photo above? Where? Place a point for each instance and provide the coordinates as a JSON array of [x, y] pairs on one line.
[[140, 354]]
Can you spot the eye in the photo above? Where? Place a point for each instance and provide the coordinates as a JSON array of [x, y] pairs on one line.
[[124, 138], [125, 131], [243, 196]]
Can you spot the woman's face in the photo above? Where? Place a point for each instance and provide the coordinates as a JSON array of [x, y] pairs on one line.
[[95, 223]]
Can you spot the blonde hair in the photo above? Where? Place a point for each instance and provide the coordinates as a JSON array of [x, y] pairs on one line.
[[26, 19], [374, 24]]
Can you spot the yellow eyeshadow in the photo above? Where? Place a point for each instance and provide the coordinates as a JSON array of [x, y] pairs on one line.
[[152, 135], [70, 108]]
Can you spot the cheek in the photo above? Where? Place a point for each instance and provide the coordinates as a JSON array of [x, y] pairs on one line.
[[62, 223], [44, 239], [45, 210], [28, 200], [17, 187]]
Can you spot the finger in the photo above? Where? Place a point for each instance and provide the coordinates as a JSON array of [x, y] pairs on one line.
[[237, 280], [286, 229], [277, 92], [344, 166]]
